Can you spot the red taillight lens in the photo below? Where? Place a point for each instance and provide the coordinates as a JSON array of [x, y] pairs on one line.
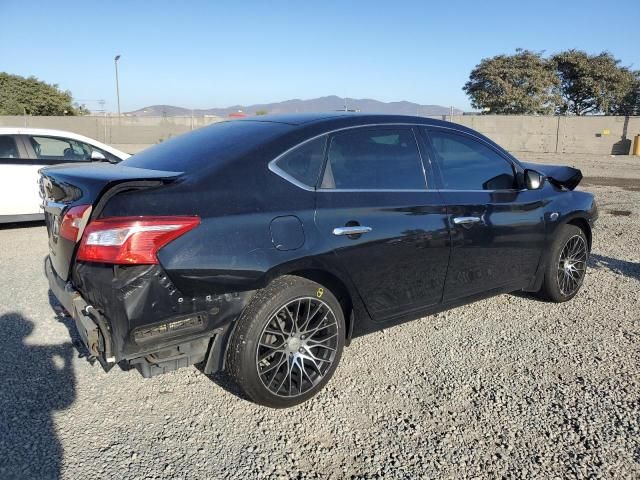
[[131, 240], [74, 221]]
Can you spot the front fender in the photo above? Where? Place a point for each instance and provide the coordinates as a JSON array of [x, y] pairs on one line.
[[579, 208], [567, 207]]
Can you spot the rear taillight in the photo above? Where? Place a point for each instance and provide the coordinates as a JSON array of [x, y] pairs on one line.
[[74, 221], [131, 240]]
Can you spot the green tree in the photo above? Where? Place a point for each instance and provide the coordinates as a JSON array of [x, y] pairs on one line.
[[591, 84], [630, 103], [19, 95], [261, 112], [523, 83]]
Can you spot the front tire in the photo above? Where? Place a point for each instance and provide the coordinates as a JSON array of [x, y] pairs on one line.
[[287, 343], [567, 265]]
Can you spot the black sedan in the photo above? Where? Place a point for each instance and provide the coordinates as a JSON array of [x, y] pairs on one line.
[[263, 246]]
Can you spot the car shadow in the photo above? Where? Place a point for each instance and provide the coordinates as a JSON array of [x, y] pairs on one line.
[[37, 380], [70, 325], [527, 295], [223, 380], [617, 266], [29, 224]]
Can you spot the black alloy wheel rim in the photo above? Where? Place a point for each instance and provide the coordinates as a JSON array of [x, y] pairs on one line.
[[297, 347], [572, 265]]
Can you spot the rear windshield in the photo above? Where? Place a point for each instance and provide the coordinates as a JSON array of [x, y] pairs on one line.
[[206, 146]]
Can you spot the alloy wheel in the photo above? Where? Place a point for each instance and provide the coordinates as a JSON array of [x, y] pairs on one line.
[[572, 265], [297, 347]]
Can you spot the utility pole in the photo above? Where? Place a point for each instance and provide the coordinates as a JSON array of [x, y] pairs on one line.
[[115, 61], [101, 102]]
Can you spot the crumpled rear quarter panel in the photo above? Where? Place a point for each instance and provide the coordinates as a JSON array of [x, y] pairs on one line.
[[131, 297]]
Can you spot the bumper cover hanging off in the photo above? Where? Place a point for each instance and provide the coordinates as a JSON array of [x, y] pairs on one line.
[[91, 325], [138, 319]]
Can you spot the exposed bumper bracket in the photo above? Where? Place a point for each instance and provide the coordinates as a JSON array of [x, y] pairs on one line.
[[92, 328]]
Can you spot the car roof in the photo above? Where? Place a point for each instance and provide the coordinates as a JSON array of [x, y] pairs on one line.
[[339, 117], [319, 123], [329, 119], [62, 133], [336, 120]]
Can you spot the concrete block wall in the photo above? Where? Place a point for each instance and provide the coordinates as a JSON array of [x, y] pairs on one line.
[[129, 134], [603, 135], [517, 133], [550, 134]]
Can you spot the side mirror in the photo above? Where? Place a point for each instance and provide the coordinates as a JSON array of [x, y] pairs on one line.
[[533, 180], [97, 156]]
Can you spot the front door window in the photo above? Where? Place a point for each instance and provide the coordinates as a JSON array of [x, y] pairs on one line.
[[467, 164]]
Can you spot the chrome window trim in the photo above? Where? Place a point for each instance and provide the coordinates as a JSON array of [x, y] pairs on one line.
[[352, 190], [281, 173], [505, 190]]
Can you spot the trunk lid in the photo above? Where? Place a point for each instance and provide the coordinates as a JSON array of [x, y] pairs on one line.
[[64, 187]]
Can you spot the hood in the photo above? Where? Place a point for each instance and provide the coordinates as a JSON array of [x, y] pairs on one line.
[[559, 175]]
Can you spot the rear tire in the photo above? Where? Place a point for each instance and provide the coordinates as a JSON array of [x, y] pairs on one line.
[[567, 265], [287, 343]]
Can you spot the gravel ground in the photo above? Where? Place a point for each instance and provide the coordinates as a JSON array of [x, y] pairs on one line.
[[509, 386]]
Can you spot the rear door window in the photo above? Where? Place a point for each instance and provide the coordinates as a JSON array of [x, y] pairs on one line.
[[468, 164], [385, 158], [8, 147]]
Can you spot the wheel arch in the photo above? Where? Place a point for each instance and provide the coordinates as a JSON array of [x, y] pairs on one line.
[[338, 287], [583, 224], [216, 358], [577, 220]]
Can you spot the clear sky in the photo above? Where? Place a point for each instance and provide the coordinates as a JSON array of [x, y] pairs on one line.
[[200, 54]]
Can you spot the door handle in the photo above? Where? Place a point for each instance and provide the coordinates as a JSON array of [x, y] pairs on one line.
[[466, 221], [357, 230]]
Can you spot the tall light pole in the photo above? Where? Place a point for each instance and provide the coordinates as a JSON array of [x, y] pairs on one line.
[[115, 61]]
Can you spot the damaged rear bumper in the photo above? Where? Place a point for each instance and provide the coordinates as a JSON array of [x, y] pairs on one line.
[[91, 326], [136, 318]]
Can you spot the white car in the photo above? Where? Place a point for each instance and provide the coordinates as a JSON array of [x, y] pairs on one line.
[[23, 151]]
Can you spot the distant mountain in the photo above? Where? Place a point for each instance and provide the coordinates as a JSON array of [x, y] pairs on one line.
[[322, 104]]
